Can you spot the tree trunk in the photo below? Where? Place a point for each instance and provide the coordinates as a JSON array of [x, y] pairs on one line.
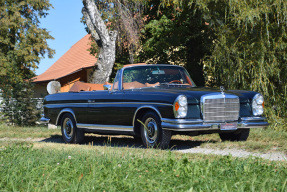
[[106, 41], [106, 61]]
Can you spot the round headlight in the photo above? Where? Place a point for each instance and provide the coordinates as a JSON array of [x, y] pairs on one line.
[[182, 101], [182, 111], [258, 105], [259, 99], [180, 106]]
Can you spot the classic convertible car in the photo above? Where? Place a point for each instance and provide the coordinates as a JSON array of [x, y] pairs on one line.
[[155, 102]]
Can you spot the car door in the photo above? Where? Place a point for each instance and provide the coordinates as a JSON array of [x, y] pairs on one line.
[[104, 107]]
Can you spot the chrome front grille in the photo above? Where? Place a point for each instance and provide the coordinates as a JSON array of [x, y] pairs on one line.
[[220, 108]]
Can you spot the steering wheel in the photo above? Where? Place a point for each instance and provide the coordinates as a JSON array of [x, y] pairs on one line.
[[178, 81]]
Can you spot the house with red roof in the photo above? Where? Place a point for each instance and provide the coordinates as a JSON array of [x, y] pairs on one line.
[[76, 65]]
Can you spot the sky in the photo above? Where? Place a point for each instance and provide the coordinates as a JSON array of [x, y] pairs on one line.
[[63, 23]]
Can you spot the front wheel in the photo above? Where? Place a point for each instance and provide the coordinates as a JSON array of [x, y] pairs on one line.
[[152, 133], [70, 132], [239, 135]]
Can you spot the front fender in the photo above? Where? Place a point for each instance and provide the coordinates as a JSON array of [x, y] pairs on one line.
[[62, 112]]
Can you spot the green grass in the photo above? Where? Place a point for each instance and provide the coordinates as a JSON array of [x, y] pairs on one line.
[[27, 132], [60, 167], [26, 165]]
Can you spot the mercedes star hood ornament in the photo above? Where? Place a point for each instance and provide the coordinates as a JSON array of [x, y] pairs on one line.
[[222, 89]]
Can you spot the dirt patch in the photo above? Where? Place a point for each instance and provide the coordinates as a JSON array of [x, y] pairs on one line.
[[273, 156]]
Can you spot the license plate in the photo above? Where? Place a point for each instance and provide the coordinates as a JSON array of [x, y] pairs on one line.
[[228, 126]]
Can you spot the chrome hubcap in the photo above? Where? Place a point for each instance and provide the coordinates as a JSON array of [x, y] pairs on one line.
[[68, 128], [151, 130]]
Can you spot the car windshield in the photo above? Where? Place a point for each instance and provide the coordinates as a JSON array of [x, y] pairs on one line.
[[150, 76]]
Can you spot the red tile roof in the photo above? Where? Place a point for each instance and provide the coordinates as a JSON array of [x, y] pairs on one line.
[[75, 59]]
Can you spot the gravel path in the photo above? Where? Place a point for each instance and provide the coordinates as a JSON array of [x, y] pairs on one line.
[[274, 156]]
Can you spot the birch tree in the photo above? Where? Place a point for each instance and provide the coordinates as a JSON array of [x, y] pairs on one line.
[[105, 39], [115, 26]]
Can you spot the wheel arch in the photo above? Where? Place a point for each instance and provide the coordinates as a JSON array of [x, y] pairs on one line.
[[140, 113], [62, 113]]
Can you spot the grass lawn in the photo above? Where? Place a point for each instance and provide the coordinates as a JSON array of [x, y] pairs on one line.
[[61, 167], [109, 165], [27, 132]]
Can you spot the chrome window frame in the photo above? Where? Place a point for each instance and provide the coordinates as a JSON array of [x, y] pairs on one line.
[[119, 73], [161, 65]]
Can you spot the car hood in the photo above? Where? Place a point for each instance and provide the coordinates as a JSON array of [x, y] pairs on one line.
[[194, 94]]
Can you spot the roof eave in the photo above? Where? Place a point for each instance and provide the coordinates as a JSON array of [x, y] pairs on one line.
[[48, 80]]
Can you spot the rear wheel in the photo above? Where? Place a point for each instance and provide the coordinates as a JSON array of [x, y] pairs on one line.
[[152, 133], [70, 132], [239, 135]]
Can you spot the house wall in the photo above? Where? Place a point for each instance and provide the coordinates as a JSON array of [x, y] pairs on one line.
[[40, 89], [68, 81]]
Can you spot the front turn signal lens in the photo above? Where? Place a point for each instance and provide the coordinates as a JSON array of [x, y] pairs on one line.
[[176, 106]]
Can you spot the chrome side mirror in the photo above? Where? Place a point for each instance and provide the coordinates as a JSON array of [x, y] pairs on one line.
[[107, 87]]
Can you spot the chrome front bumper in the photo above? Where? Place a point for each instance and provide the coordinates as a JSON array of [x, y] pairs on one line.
[[200, 125]]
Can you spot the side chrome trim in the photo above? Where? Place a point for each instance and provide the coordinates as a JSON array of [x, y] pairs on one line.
[[113, 103], [131, 103], [146, 107], [66, 104], [105, 127], [67, 110]]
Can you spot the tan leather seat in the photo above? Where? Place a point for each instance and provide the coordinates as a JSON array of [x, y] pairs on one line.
[[81, 86], [133, 85], [151, 85]]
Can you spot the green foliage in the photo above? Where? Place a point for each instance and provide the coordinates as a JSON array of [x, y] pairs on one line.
[[250, 50], [22, 44], [22, 40], [239, 44], [125, 170], [176, 36], [20, 107]]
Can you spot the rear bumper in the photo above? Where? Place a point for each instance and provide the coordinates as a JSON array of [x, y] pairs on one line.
[[200, 125]]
